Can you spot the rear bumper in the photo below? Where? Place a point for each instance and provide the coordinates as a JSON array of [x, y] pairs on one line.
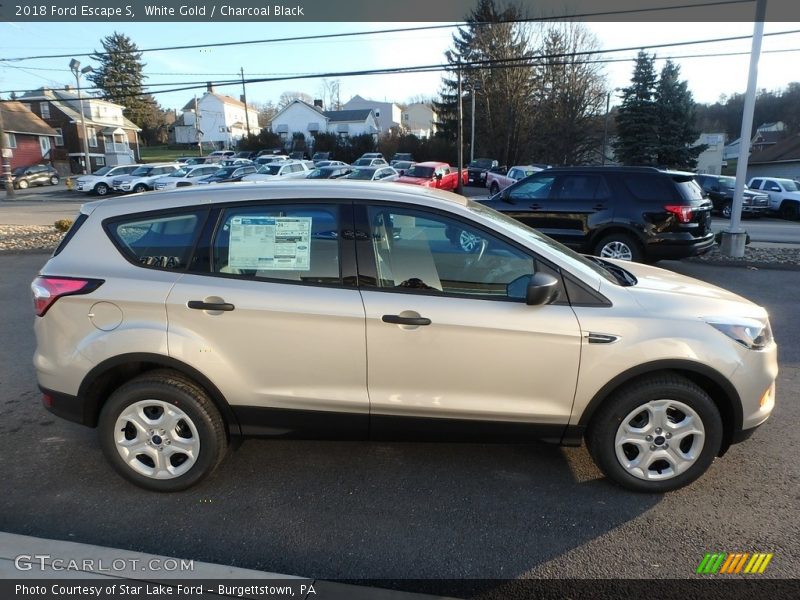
[[67, 407], [683, 247]]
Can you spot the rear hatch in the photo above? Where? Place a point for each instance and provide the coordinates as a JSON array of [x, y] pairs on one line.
[[693, 213]]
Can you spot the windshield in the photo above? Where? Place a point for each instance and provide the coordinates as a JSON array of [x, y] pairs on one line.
[[269, 169], [417, 171], [539, 238], [142, 171], [102, 171], [361, 174], [363, 162], [728, 182], [320, 174], [481, 163], [19, 171]]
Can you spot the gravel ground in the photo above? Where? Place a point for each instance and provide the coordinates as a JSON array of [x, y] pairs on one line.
[[15, 238]]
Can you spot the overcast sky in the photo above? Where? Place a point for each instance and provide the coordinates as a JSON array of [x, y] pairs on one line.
[[708, 77]]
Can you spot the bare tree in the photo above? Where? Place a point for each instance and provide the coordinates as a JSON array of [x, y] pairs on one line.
[[329, 93], [266, 112], [286, 98]]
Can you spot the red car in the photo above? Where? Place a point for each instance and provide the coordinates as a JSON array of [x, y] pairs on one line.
[[433, 174]]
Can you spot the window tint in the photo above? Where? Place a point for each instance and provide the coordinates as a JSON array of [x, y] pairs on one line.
[[582, 187], [161, 242], [649, 188], [537, 188], [422, 251], [292, 243], [756, 183]]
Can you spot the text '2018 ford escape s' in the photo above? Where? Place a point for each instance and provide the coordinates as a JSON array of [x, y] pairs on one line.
[[345, 310]]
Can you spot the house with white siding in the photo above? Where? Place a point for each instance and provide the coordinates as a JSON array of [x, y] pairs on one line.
[[215, 119], [387, 114], [301, 117], [419, 119]]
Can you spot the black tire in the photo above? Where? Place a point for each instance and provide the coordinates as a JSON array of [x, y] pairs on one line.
[[174, 389], [54, 180], [101, 189], [619, 245], [140, 187], [789, 210], [727, 210], [602, 431], [494, 189]]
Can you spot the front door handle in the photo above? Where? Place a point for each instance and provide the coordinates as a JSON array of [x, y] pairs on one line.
[[398, 320], [599, 206], [536, 206], [200, 305]]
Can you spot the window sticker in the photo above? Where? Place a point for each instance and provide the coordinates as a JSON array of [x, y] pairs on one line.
[[270, 243]]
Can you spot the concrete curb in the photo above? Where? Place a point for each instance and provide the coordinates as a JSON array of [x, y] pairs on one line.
[[100, 563]]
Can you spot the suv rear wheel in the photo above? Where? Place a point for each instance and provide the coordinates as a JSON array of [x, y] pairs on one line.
[[790, 210], [162, 432], [655, 435], [620, 246]]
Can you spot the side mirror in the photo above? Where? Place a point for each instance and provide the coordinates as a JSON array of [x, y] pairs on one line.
[[542, 289], [438, 176]]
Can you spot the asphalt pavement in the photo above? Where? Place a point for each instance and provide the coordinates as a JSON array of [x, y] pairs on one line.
[[401, 512]]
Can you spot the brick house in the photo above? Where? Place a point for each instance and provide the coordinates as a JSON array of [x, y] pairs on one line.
[[30, 139], [112, 139]]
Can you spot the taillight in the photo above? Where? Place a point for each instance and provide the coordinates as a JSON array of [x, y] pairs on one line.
[[46, 290], [682, 212]]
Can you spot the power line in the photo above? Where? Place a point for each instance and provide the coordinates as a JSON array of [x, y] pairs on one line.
[[586, 15]]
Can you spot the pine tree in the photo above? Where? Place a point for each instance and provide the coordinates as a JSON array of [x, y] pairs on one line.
[[120, 78], [637, 119], [501, 104], [675, 108]]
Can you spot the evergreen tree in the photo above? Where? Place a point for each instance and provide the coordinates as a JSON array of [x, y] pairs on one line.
[[120, 78], [676, 121], [501, 105], [637, 118]]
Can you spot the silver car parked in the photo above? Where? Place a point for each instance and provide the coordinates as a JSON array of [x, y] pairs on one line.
[[343, 310]]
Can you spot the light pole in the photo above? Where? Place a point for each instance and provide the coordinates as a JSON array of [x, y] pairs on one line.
[[75, 66], [474, 87]]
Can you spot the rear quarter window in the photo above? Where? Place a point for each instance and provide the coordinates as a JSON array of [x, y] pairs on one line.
[[649, 188], [163, 241]]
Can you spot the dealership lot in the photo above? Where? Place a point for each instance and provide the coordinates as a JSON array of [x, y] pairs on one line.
[[352, 510]]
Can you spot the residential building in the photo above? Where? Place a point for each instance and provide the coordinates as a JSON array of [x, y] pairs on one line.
[[767, 135], [29, 139], [215, 119], [780, 160], [711, 159], [112, 139], [387, 114], [419, 119], [301, 117]]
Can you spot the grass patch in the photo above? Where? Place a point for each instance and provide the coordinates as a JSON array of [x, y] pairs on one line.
[[164, 153]]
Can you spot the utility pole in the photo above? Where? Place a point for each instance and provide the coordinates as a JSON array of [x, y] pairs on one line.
[[244, 98], [4, 152], [605, 129], [734, 239], [198, 135], [460, 188]]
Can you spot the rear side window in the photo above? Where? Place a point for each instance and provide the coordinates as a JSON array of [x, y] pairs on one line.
[[158, 242], [649, 188], [756, 183], [689, 190]]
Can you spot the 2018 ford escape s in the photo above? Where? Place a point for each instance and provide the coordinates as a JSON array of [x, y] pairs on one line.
[[343, 310]]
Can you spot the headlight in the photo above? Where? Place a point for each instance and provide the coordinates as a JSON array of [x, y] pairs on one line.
[[753, 334]]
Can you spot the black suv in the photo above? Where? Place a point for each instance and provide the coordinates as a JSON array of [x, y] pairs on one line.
[[719, 190], [477, 170], [24, 177], [629, 213]]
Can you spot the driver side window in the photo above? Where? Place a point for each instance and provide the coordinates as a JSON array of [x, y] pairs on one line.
[[417, 250], [537, 188]]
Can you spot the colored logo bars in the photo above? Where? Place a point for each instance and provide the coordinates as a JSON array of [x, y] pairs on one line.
[[733, 563]]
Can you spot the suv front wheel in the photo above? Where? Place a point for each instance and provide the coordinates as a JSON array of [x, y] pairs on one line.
[[656, 435], [162, 432]]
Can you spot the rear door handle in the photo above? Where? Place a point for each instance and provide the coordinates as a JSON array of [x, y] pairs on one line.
[[398, 320], [599, 206], [536, 206], [200, 305]]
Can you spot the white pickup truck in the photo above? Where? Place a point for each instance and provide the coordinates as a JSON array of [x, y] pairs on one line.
[[784, 195]]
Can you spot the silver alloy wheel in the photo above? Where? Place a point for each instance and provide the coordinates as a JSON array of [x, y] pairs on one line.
[[469, 242], [616, 249], [727, 210], [156, 439], [659, 440]]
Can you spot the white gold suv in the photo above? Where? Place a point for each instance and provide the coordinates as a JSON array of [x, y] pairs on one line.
[[343, 310]]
